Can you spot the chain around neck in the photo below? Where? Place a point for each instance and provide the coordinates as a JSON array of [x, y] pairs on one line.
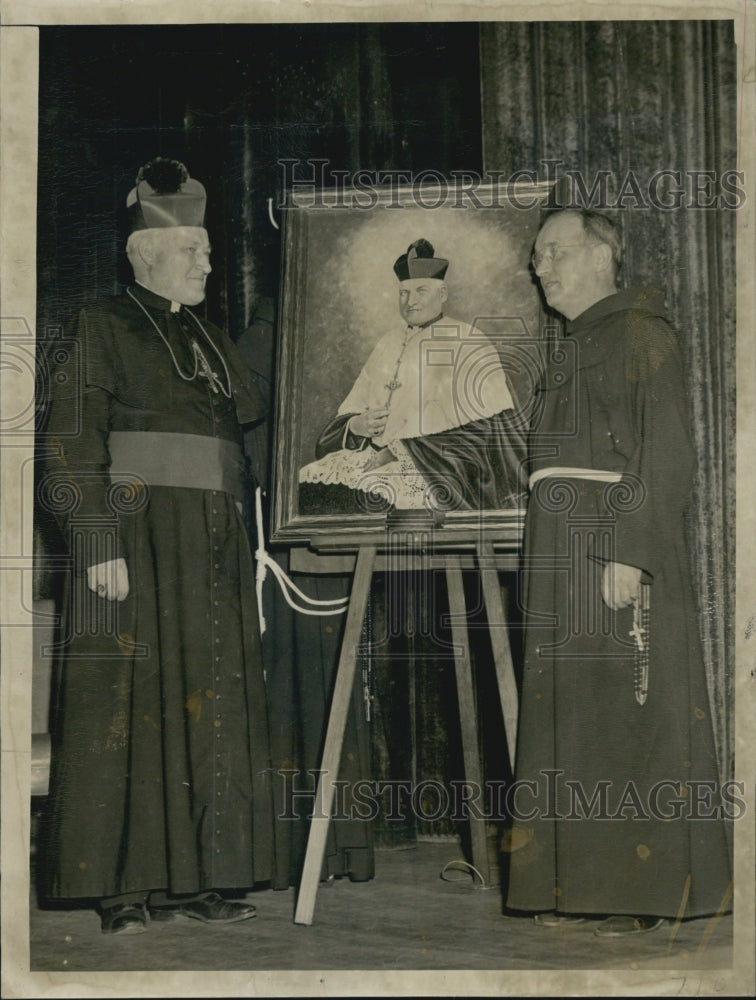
[[196, 349]]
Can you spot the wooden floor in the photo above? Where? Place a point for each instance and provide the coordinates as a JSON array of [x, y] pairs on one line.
[[408, 917]]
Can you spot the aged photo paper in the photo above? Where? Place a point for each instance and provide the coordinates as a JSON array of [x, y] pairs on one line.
[[714, 200]]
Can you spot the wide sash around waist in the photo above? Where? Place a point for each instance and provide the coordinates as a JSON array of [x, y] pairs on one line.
[[188, 461], [568, 472]]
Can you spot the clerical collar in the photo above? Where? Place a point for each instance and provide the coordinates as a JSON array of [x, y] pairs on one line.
[[155, 300], [430, 322]]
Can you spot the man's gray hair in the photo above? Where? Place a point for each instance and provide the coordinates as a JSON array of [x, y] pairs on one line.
[[138, 238], [601, 229]]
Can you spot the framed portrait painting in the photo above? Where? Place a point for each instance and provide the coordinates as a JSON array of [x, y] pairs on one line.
[[411, 334]]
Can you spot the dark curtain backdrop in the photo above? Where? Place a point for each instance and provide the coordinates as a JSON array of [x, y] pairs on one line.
[[232, 101], [647, 96]]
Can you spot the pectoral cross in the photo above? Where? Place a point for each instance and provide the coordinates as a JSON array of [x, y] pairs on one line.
[[395, 384], [205, 369], [392, 386]]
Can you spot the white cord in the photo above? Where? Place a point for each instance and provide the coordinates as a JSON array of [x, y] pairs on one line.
[[265, 561], [463, 865]]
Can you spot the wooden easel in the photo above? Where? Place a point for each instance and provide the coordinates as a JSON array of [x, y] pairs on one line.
[[488, 562]]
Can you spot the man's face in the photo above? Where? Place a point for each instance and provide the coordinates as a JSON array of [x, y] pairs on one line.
[[565, 264], [180, 264], [421, 299]]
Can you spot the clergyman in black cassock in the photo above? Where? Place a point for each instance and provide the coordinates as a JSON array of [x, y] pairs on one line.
[[161, 792]]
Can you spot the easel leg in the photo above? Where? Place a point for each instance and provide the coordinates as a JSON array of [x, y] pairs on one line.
[[334, 741], [502, 654], [467, 710]]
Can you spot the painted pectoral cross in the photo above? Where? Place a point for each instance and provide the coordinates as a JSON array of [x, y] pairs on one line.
[[391, 386], [395, 384]]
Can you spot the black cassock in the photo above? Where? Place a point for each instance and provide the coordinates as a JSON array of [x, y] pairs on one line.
[[161, 772]]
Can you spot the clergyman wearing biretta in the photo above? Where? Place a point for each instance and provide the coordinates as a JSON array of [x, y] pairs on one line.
[[160, 798], [430, 422]]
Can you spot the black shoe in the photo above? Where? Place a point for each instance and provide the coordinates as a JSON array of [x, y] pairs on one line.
[[126, 918], [211, 908]]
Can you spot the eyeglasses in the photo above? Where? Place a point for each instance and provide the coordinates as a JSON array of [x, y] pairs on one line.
[[549, 252]]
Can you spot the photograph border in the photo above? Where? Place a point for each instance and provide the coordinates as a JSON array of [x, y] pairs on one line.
[[18, 138]]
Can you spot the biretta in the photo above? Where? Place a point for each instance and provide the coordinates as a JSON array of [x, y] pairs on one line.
[[165, 195], [419, 262]]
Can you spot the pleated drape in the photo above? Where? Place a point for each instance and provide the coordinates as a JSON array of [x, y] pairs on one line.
[[628, 100]]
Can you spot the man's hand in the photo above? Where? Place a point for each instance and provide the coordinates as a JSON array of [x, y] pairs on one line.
[[378, 458], [109, 580], [370, 423], [620, 585]]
